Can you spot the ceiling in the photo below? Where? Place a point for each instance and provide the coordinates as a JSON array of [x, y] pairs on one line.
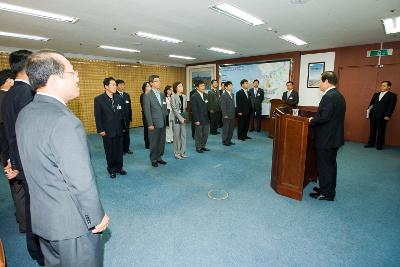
[[321, 23]]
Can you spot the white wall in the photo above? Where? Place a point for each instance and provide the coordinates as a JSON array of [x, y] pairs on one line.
[[312, 96]]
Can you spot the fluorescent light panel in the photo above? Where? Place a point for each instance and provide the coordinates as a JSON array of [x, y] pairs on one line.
[[182, 57], [36, 13], [392, 25], [158, 37], [292, 39], [237, 13], [220, 50], [119, 49], [24, 36]]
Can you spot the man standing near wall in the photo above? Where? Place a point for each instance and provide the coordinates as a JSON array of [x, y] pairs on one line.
[[213, 107], [257, 97], [127, 111], [243, 108]]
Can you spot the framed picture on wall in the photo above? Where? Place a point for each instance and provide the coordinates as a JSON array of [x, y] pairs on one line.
[[315, 70], [201, 72]]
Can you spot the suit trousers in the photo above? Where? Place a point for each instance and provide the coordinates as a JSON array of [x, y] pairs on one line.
[[255, 121], [126, 139], [114, 153], [157, 143], [214, 121], [377, 132], [327, 170], [227, 130], [179, 131], [201, 135], [243, 126], [84, 251], [193, 126], [18, 195], [146, 133]]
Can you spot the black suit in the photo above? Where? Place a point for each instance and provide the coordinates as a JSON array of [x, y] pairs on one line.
[[200, 114], [329, 136], [193, 126], [256, 104], [20, 95], [380, 110], [243, 106], [214, 109], [127, 112], [293, 98], [145, 126], [109, 119]]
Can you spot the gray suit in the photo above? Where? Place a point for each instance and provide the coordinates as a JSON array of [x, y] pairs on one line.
[[179, 129], [227, 105], [155, 114], [65, 203]]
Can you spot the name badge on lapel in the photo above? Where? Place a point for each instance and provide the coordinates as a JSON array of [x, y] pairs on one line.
[[164, 103], [291, 97], [258, 94], [119, 107], [127, 101], [206, 101]]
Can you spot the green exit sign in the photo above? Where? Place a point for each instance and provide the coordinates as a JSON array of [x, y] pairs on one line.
[[381, 52]]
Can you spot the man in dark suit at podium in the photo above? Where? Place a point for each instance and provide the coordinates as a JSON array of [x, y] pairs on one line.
[[290, 97], [380, 110], [329, 135]]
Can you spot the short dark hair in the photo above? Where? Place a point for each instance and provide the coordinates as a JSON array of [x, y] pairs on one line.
[[5, 75], [330, 76], [198, 83], [227, 83], [152, 77], [290, 82], [243, 81], [107, 81], [389, 83], [41, 65], [168, 87], [175, 86], [213, 80], [222, 83], [18, 60], [256, 81], [119, 81], [144, 86]]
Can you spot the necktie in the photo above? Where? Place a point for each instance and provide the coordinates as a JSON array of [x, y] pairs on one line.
[[112, 103]]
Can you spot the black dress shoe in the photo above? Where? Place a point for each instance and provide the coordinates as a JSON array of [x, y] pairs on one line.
[[231, 143], [147, 147], [258, 130], [242, 139], [314, 195], [247, 137], [199, 150], [226, 144], [319, 196], [129, 152], [113, 175], [205, 149], [213, 133], [251, 130], [122, 172], [368, 145], [161, 162], [379, 148], [154, 164], [317, 189]]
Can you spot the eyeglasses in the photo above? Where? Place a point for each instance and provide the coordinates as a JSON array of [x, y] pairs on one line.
[[75, 72]]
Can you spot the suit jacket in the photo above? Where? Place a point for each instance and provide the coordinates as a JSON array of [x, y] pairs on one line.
[[176, 107], [108, 120], [383, 108], [20, 95], [126, 99], [64, 199], [293, 98], [243, 103], [199, 108], [227, 105], [213, 99], [154, 112], [256, 100], [329, 120]]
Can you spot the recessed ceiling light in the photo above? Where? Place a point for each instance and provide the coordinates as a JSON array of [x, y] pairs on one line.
[[182, 57], [237, 13], [158, 37], [119, 49], [221, 50], [392, 25], [24, 36], [37, 13], [292, 39]]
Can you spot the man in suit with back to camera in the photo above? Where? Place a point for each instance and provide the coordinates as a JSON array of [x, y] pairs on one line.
[[257, 97], [328, 125], [213, 107], [243, 109], [227, 104], [380, 109], [19, 95], [126, 99], [155, 112], [290, 97], [7, 78], [199, 104], [108, 113], [67, 213]]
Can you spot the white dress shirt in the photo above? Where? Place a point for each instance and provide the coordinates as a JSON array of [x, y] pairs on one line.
[[381, 95]]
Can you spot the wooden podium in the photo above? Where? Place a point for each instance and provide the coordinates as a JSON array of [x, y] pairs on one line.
[[293, 158], [275, 103]]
